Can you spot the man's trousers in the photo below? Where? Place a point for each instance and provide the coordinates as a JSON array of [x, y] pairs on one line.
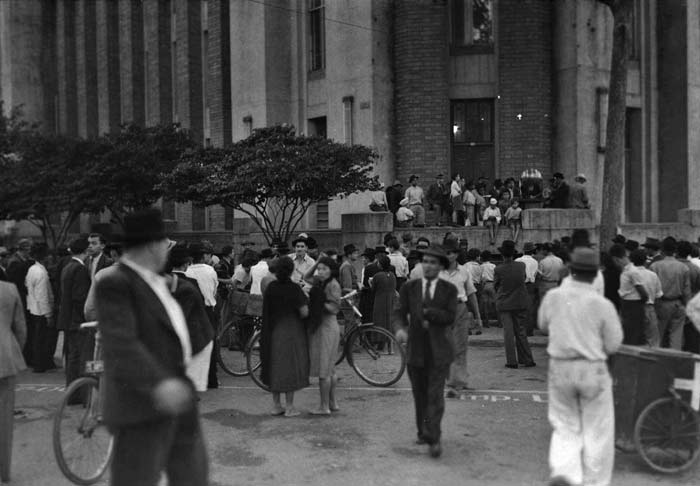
[[651, 326], [671, 314], [42, 358], [458, 377], [73, 343], [515, 338], [174, 446], [582, 415], [633, 322], [428, 384]]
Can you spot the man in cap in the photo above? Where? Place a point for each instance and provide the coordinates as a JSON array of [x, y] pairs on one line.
[[584, 330], [578, 196], [75, 284], [416, 201], [149, 403], [512, 305], [423, 319], [675, 284], [438, 197]]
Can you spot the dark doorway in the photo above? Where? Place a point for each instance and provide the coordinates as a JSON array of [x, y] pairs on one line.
[[471, 128]]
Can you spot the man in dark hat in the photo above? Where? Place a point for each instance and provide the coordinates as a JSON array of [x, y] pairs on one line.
[[653, 249], [631, 245], [675, 284], [423, 319], [512, 305], [584, 330], [619, 240], [559, 198], [75, 285], [149, 403]]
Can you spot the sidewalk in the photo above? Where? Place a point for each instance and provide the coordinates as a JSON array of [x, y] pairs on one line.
[[493, 337]]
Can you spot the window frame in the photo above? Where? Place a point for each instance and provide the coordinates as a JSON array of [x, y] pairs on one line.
[[317, 7], [469, 48]]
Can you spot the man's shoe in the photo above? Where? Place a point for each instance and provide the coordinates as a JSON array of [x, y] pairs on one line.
[[420, 441], [435, 450], [512, 366], [559, 481]]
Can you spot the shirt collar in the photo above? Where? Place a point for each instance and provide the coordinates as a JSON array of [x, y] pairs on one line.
[[78, 260]]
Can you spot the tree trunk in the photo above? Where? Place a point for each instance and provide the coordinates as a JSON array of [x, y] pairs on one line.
[[615, 131]]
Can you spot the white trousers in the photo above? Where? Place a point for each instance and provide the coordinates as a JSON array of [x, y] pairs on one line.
[[198, 368], [582, 414]]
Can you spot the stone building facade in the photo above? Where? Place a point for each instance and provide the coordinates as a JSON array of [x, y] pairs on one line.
[[481, 87]]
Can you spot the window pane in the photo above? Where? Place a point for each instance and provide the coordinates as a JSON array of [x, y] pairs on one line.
[[482, 18], [458, 22], [198, 218], [458, 123], [316, 35]]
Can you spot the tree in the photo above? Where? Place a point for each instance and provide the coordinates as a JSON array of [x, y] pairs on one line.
[[273, 176], [133, 163], [615, 130]]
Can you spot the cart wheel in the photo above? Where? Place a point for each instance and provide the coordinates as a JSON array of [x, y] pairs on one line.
[[667, 435]]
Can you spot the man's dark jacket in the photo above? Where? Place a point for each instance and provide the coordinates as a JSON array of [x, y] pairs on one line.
[[140, 346], [511, 292], [440, 312], [75, 285]]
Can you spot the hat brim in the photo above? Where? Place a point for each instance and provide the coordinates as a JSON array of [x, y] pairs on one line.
[[583, 267]]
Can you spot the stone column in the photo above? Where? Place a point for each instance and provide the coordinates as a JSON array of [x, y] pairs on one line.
[[693, 50]]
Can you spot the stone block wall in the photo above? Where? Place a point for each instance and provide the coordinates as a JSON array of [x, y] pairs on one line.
[[525, 86], [219, 66]]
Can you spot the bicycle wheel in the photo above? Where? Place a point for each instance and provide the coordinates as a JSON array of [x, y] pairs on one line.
[[230, 353], [376, 356], [667, 435], [81, 441], [341, 347], [253, 361]]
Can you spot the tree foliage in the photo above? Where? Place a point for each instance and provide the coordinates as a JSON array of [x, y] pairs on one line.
[[273, 176]]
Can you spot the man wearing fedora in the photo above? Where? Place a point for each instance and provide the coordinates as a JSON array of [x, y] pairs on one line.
[[149, 403], [653, 249], [512, 305], [584, 330], [578, 195], [423, 319]]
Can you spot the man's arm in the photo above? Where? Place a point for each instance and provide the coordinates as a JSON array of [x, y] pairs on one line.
[[612, 328], [80, 290], [128, 360], [687, 295]]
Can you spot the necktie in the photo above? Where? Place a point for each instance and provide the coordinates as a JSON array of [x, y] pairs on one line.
[[427, 297]]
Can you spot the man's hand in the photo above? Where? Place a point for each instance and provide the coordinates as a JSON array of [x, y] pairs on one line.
[[172, 396], [402, 336]]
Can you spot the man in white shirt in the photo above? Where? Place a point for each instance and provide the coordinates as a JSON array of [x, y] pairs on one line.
[[40, 306], [399, 262], [584, 329], [302, 262], [550, 271], [208, 282], [531, 266], [651, 285], [260, 270]]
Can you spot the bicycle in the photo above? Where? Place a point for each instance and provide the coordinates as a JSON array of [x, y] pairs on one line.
[[81, 441], [232, 340], [372, 352]]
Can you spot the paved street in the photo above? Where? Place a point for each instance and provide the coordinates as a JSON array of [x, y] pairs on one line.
[[497, 435]]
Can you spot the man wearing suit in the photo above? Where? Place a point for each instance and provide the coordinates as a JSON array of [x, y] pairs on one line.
[[17, 268], [512, 304], [149, 401], [424, 317], [13, 333], [96, 252], [75, 285]]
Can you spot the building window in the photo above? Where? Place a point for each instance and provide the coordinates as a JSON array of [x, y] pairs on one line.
[[318, 127], [317, 35], [635, 23], [248, 125], [472, 131], [347, 119], [173, 60], [168, 209], [472, 23], [199, 218], [228, 218]]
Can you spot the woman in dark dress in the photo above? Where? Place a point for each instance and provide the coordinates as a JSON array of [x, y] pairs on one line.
[[383, 284], [283, 344]]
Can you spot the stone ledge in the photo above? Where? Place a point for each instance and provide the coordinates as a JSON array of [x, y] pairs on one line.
[[689, 216], [559, 219]]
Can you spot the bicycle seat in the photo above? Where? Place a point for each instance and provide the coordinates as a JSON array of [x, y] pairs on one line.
[[88, 325]]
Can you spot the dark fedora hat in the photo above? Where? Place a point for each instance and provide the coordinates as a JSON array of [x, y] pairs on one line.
[[380, 249], [631, 245], [142, 227], [652, 244], [529, 247], [585, 259], [369, 253], [619, 239], [414, 255], [439, 253]]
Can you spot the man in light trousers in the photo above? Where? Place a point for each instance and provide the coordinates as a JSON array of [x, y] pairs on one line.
[[584, 329]]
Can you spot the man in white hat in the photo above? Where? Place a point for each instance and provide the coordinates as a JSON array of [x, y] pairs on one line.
[[404, 215], [578, 196]]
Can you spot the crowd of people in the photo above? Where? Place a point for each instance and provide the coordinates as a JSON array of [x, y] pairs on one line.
[[477, 203], [433, 295]]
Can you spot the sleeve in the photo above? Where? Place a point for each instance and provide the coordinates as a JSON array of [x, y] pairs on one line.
[[346, 279], [129, 362], [90, 307], [19, 323], [657, 284], [612, 328], [687, 295], [692, 310], [81, 287], [469, 284]]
